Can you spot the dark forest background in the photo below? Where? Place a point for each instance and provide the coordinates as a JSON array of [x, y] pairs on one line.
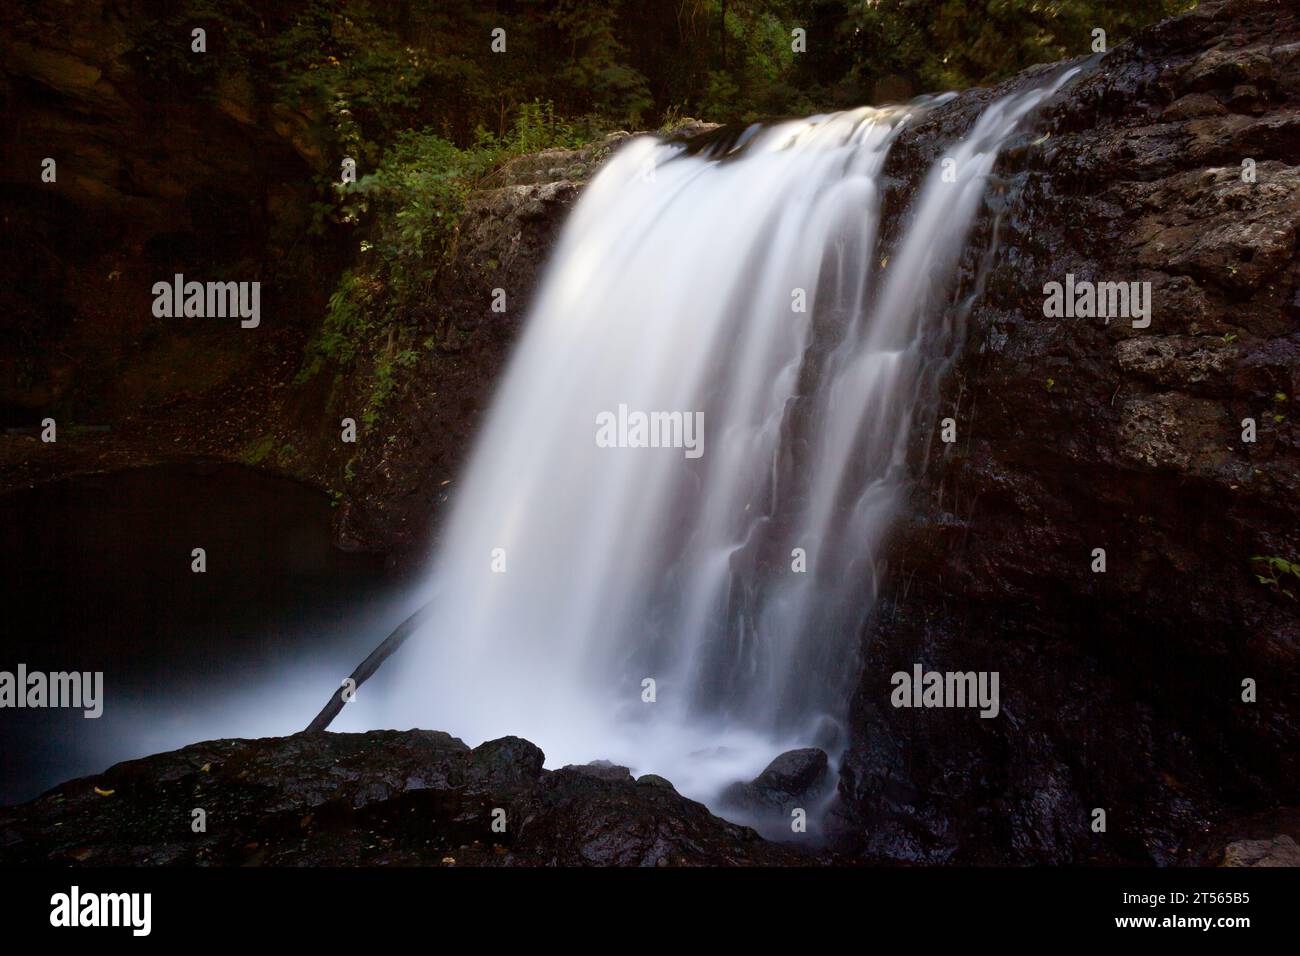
[[230, 160], [385, 67], [415, 94]]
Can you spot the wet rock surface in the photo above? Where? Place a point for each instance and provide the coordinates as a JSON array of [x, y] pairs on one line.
[[380, 798], [794, 779], [602, 770], [505, 237], [1120, 691]]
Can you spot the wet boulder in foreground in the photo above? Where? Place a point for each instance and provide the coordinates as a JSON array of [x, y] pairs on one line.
[[413, 798], [794, 779]]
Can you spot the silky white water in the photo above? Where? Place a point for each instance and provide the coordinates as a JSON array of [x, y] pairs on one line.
[[746, 292]]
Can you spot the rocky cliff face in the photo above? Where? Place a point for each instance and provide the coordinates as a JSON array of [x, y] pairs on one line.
[[502, 243], [147, 180], [1172, 160], [151, 178], [222, 182]]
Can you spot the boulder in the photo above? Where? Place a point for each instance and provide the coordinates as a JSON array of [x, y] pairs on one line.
[[795, 778], [384, 797], [602, 770], [1281, 850]]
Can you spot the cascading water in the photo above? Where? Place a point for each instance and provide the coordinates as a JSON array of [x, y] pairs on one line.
[[747, 292]]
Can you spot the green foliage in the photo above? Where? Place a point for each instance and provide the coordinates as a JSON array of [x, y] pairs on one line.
[[340, 60], [342, 332], [163, 47], [417, 195], [412, 205], [931, 45], [1278, 573], [672, 120], [413, 92], [366, 71], [596, 62], [721, 96], [383, 384], [537, 127], [415, 199]]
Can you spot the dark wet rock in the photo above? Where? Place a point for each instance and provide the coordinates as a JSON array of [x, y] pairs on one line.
[[379, 798], [576, 819], [602, 770], [1120, 690], [505, 763], [1191, 106], [794, 779], [654, 780]]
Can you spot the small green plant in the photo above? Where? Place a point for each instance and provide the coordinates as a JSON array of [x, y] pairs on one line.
[[1281, 575], [342, 333], [417, 196], [413, 203], [673, 118], [537, 127], [257, 450], [384, 382]]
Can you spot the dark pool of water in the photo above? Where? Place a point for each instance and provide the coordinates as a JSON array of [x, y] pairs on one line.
[[95, 575]]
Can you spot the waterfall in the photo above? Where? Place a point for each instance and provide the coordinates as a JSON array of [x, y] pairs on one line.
[[743, 290]]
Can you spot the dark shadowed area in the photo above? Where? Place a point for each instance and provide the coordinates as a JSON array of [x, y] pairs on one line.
[[97, 577]]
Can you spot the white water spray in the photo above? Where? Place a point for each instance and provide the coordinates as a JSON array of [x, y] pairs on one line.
[[571, 574]]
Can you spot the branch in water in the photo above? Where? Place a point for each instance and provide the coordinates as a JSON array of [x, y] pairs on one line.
[[367, 668]]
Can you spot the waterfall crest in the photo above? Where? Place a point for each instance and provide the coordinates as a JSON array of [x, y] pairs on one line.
[[746, 292]]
